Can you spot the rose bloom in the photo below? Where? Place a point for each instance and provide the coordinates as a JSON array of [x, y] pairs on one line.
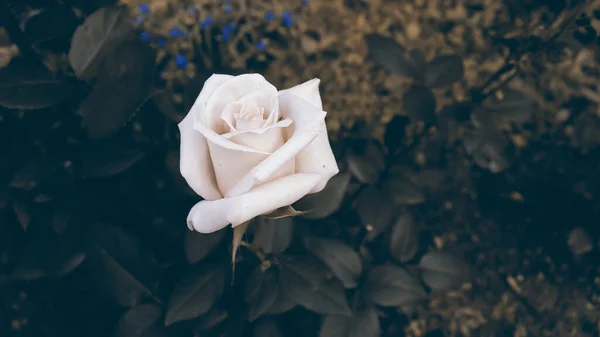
[[248, 149]]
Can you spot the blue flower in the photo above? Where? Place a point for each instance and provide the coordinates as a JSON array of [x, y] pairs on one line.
[[226, 1], [206, 23], [146, 36], [161, 42], [269, 16], [287, 18], [139, 20], [144, 8], [227, 9], [261, 45], [230, 26], [176, 32], [226, 35], [181, 61], [304, 2]]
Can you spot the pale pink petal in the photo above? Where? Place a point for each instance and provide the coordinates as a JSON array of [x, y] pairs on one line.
[[307, 126], [228, 114], [211, 216], [195, 163], [214, 138], [318, 156], [211, 84], [309, 91], [254, 86]]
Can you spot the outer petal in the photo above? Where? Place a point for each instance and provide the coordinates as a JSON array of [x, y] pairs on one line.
[[308, 91], [210, 216], [195, 163], [307, 126], [317, 157]]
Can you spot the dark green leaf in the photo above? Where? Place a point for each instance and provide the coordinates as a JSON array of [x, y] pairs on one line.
[[54, 24], [487, 148], [36, 170], [123, 86], [97, 37], [274, 236], [404, 242], [46, 253], [138, 320], [121, 265], [261, 292], [198, 246], [195, 294], [418, 58], [364, 323], [363, 169], [213, 318], [282, 302], [25, 84], [579, 241], [267, 328], [392, 56], [376, 211], [403, 191], [392, 286], [514, 106], [442, 270], [419, 102], [309, 285], [109, 157], [322, 204], [444, 70], [395, 132], [342, 259]]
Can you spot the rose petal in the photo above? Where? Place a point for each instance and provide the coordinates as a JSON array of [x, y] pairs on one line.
[[318, 156], [208, 89], [228, 114], [195, 163], [256, 86], [214, 138], [307, 126], [210, 216], [308, 91], [281, 124], [243, 125]]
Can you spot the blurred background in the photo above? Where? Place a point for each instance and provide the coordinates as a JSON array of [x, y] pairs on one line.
[[467, 135]]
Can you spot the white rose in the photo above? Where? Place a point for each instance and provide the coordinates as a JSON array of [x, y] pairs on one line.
[[248, 149]]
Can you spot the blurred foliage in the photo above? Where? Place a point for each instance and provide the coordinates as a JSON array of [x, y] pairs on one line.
[[93, 234]]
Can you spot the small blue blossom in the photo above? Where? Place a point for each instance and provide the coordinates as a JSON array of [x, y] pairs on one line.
[[139, 20], [226, 35], [261, 45], [230, 26], [181, 61], [226, 1], [144, 8], [146, 36], [287, 18], [161, 42], [269, 16], [206, 23], [227, 9], [305, 2], [176, 32]]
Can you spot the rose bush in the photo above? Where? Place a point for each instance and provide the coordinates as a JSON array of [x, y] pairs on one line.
[[248, 149]]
